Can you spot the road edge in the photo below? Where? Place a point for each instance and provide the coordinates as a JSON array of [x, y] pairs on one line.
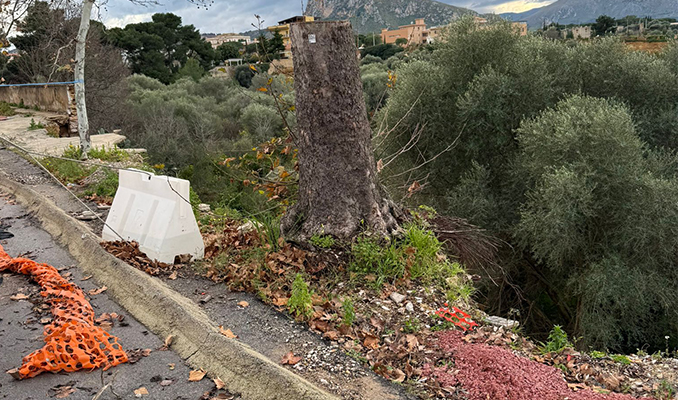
[[166, 312]]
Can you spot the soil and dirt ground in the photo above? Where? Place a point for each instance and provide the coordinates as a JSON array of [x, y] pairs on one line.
[[266, 330]]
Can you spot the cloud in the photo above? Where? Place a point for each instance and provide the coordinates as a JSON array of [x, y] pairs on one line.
[[127, 19], [499, 6]]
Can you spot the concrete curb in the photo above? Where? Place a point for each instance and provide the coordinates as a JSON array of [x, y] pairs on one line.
[[166, 312]]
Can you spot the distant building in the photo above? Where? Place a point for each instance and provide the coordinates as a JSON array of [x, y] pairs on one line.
[[415, 33], [434, 33], [283, 28], [582, 32], [220, 39], [520, 27]]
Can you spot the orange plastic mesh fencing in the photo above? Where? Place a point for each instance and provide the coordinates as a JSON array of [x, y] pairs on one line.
[[72, 341]]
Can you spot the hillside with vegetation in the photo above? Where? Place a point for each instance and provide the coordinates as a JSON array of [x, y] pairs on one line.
[[373, 15], [586, 11]]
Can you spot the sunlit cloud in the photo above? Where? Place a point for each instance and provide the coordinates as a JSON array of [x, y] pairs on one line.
[[500, 6], [519, 6], [127, 19]]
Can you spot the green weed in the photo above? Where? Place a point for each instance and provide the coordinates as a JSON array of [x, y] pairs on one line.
[[106, 187], [666, 391], [622, 359], [356, 356], [411, 325], [557, 341], [33, 126], [349, 312], [322, 241], [67, 171], [300, 303], [6, 109], [597, 354], [112, 154], [416, 255], [268, 227]]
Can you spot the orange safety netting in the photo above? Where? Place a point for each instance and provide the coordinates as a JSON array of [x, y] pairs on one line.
[[72, 341]]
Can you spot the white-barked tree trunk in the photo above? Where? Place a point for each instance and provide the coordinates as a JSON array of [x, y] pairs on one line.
[[81, 106]]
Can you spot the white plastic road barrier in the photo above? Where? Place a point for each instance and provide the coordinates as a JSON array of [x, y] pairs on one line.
[[153, 211]]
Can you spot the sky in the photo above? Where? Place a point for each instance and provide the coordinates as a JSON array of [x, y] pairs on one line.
[[238, 15]]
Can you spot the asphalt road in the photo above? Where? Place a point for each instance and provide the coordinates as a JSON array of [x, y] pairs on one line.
[[21, 331]]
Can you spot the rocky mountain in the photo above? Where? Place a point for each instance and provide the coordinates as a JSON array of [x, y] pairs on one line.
[[373, 15], [585, 11]]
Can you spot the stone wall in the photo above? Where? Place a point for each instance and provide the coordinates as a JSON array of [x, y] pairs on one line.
[[59, 99], [48, 98]]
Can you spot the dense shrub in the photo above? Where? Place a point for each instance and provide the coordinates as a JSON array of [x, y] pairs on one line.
[[565, 205], [188, 126], [382, 51], [375, 88], [600, 221], [243, 74], [261, 122], [370, 59]]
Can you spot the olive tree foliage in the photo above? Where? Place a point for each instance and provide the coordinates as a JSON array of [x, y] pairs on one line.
[[459, 124], [186, 120], [601, 220], [188, 124]]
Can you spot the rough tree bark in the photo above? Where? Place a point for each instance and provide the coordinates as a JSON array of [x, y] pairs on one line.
[[81, 106], [339, 191]]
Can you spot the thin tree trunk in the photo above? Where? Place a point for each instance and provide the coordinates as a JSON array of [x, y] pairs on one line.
[[80, 46], [339, 192]]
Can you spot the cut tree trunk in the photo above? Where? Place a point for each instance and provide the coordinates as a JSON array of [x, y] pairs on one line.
[[80, 46], [339, 191]]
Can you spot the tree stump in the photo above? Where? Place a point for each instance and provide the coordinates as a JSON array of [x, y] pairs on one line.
[[339, 191]]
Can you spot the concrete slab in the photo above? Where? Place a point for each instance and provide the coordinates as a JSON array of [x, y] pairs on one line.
[[15, 129]]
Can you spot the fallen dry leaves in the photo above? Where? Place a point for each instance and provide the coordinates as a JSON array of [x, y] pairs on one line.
[[227, 332], [290, 359], [371, 342], [94, 292], [196, 375], [219, 383], [130, 253], [18, 296], [142, 391], [168, 342], [136, 354], [63, 391]]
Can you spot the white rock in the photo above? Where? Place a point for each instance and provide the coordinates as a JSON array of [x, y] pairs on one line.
[[501, 322], [397, 297], [202, 207], [248, 226], [409, 306]]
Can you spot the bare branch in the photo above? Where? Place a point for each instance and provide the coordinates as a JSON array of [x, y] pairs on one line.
[[445, 150]]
